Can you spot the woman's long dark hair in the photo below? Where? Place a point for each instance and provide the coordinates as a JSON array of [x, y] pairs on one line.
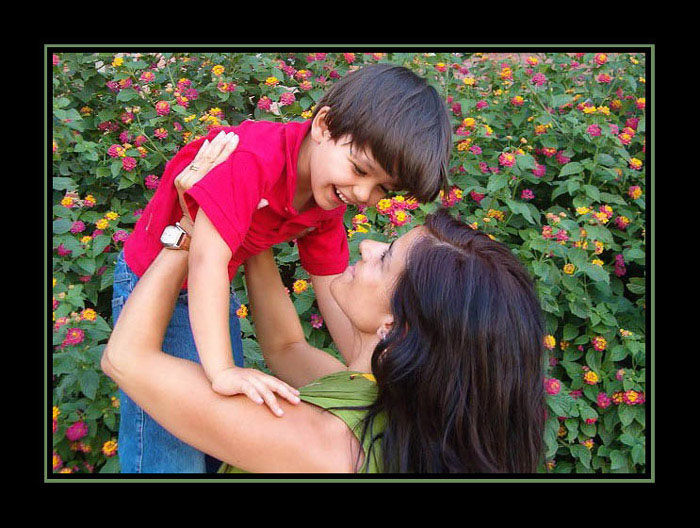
[[460, 377]]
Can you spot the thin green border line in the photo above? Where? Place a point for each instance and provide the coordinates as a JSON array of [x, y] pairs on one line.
[[650, 332]]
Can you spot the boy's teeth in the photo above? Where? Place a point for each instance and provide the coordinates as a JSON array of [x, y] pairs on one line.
[[342, 198]]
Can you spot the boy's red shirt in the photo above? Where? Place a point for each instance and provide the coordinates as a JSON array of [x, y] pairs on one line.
[[264, 165]]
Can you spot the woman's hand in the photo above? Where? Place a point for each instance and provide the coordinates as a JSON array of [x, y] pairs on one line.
[[258, 386], [209, 156]]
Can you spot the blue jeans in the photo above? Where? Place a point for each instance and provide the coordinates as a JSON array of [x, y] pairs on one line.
[[145, 446]]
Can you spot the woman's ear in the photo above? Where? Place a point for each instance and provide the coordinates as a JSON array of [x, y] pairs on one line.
[[319, 128], [385, 327]]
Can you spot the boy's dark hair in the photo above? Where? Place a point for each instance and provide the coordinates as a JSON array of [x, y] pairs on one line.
[[397, 117]]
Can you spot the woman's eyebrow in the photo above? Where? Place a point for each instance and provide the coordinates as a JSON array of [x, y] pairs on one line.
[[388, 251]]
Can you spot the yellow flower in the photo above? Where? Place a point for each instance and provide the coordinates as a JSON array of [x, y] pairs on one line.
[[469, 122], [300, 286], [549, 341], [306, 114], [383, 205], [625, 333], [604, 110], [242, 312], [217, 70], [591, 377], [469, 81], [89, 200], [488, 130], [589, 110], [109, 448], [56, 412], [597, 262], [67, 201], [86, 239], [102, 223], [582, 210], [272, 81], [115, 402], [111, 215], [569, 269], [89, 314], [189, 118], [118, 61]]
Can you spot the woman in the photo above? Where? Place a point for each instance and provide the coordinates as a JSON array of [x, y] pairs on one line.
[[447, 375]]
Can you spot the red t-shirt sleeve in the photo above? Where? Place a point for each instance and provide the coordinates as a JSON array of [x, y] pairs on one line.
[[324, 251], [229, 195]]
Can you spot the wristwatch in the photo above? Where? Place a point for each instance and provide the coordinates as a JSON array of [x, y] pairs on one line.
[[175, 237]]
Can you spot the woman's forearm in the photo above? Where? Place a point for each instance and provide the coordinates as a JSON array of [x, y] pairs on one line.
[[145, 316], [276, 320]]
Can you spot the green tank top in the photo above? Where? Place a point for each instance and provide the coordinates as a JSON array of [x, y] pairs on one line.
[[344, 389]]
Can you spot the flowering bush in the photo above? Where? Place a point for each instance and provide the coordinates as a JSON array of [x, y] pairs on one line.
[[549, 158]]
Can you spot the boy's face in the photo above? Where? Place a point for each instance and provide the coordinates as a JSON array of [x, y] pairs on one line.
[[342, 175]]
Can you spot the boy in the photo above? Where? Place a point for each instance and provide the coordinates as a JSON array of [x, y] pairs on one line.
[[379, 129]]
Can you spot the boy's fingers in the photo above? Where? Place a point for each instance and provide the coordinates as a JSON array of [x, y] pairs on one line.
[[268, 396]]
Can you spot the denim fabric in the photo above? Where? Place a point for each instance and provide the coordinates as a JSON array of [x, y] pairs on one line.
[[144, 446]]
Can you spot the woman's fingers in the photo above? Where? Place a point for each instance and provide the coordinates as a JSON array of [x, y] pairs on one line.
[[230, 144]]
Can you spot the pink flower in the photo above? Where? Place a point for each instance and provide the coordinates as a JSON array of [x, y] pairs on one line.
[[349, 57], [77, 227], [475, 149], [620, 268], [482, 104], [287, 98], [147, 77], [115, 150], [127, 117], [600, 58], [593, 130], [128, 163], [74, 336], [140, 140], [527, 194], [177, 126], [77, 431], [162, 108], [160, 133], [62, 251], [632, 122], [603, 400], [538, 79], [539, 170], [506, 159], [264, 103], [55, 59], [552, 386], [457, 109], [576, 394], [561, 158], [476, 196], [151, 181], [316, 321], [120, 236], [603, 78]]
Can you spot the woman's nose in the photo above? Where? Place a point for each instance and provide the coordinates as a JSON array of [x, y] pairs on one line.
[[370, 249]]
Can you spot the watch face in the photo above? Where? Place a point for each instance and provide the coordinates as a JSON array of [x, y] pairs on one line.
[[171, 236]]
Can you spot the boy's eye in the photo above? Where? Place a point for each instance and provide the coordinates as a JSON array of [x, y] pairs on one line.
[[358, 170]]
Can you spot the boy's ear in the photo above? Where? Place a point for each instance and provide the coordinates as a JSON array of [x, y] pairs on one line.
[[319, 129]]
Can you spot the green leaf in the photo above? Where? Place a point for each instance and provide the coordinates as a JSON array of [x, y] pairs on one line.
[[61, 226], [89, 380], [497, 182], [99, 243], [573, 167], [127, 94], [62, 183]]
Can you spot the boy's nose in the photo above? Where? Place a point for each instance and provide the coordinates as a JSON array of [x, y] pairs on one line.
[[363, 193]]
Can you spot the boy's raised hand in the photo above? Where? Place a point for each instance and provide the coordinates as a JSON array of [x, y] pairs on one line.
[[257, 385], [209, 156]]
